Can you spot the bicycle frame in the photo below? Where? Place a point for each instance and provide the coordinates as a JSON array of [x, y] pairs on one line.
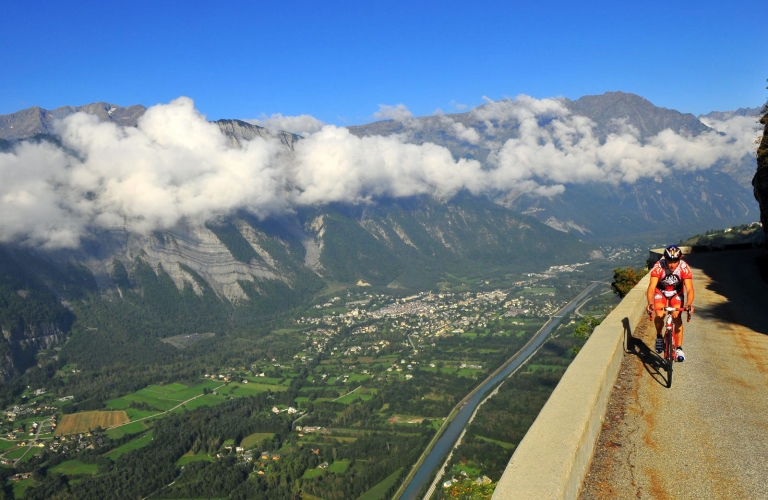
[[669, 338]]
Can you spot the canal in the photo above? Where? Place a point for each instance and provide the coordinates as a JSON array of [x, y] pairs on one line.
[[451, 434]]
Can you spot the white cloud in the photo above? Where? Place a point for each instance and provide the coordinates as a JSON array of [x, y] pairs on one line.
[[459, 106], [397, 113], [555, 147], [301, 124], [176, 166], [334, 165], [459, 130], [32, 208]]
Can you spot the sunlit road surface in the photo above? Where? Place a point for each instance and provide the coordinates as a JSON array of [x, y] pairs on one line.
[[706, 437]]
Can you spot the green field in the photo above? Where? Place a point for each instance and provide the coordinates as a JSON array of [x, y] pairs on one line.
[[254, 439], [253, 389], [189, 457], [339, 466], [471, 471], [4, 445], [207, 400], [19, 487], [310, 473], [350, 398], [135, 414], [13, 455], [263, 380], [378, 491], [503, 444], [162, 397], [117, 404], [134, 444], [123, 430], [75, 468]]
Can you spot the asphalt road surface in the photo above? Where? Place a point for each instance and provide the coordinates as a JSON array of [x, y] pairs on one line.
[[706, 437]]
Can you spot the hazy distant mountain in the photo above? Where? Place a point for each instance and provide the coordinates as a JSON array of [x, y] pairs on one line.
[[725, 115], [33, 121], [716, 197], [631, 109]]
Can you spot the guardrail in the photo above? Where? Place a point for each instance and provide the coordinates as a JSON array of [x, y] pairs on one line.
[[553, 457]]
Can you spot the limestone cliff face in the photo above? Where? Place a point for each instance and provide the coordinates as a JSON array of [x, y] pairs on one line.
[[19, 347], [760, 181], [239, 131], [185, 247], [200, 250]]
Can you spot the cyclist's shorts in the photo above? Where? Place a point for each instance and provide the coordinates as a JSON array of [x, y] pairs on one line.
[[660, 301]]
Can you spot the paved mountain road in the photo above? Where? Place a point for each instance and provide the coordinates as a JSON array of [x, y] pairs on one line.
[[707, 436]]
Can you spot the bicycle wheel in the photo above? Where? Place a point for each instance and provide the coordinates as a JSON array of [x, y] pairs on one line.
[[670, 356]]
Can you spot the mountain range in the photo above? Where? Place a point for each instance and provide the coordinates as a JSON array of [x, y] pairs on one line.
[[695, 200], [234, 270]]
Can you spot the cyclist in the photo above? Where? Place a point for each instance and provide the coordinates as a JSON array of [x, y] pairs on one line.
[[671, 283]]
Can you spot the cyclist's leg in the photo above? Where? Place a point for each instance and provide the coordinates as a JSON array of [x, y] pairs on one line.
[[677, 301], [659, 301]]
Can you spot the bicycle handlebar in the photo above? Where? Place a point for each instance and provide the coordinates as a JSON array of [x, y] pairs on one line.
[[672, 309]]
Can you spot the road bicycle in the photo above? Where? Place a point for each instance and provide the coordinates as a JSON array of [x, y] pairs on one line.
[[670, 347]]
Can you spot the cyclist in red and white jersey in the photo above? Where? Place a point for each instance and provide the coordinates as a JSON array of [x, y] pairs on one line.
[[671, 283]]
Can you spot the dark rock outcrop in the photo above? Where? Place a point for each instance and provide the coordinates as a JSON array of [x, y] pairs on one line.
[[760, 181], [19, 348]]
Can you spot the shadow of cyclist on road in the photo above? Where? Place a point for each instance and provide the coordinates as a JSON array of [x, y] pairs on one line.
[[635, 345]]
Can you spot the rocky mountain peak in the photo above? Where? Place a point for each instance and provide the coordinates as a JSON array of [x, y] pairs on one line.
[[608, 108], [36, 120]]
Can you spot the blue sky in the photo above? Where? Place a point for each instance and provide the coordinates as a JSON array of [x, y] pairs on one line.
[[338, 61]]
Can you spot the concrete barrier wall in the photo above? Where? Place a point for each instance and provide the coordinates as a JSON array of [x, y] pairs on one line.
[[553, 457]]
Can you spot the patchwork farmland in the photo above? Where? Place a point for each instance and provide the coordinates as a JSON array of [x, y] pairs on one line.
[[88, 420]]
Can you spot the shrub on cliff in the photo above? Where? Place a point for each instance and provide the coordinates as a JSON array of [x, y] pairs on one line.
[[625, 279]]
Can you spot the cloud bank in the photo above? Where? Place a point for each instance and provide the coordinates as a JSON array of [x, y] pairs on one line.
[[301, 124], [176, 166]]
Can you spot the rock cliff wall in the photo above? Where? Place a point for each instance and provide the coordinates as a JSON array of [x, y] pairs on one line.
[[19, 348], [760, 181]]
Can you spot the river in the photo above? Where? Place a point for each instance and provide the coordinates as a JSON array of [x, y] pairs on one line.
[[451, 434]]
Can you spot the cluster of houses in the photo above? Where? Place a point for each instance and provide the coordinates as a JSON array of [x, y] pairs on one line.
[[290, 410], [62, 444], [310, 429], [28, 410], [264, 458], [33, 428]]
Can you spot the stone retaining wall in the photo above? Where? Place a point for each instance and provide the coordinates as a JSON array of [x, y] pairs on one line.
[[554, 456]]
